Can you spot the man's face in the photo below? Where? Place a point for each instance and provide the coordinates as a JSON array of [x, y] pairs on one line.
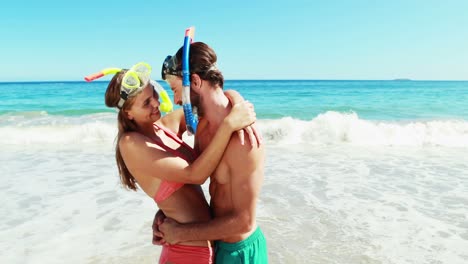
[[175, 82]]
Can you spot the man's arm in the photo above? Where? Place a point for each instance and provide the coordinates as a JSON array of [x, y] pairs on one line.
[[157, 235], [246, 166]]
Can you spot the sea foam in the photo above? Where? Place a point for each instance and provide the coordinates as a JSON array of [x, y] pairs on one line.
[[347, 128], [325, 129]]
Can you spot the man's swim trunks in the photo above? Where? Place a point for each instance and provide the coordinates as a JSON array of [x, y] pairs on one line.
[[250, 250]]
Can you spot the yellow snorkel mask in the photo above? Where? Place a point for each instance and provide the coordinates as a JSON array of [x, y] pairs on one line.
[[134, 80]]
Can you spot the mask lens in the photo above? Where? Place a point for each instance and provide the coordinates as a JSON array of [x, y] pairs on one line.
[[131, 80], [137, 77], [143, 71]]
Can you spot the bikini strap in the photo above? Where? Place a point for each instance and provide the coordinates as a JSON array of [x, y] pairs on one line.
[[174, 137]]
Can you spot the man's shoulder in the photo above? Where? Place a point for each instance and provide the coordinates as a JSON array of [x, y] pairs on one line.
[[244, 162], [236, 152]]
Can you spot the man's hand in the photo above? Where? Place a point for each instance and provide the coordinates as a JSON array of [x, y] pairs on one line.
[[158, 239], [170, 229]]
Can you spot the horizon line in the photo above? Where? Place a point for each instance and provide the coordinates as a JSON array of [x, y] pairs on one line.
[[396, 79]]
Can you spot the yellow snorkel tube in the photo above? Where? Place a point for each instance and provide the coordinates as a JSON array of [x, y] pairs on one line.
[[165, 102], [100, 74]]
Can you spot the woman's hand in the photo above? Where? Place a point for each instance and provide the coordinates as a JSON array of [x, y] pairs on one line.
[[241, 115], [255, 137]]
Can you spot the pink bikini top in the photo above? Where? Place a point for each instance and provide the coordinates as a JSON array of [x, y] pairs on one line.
[[167, 188]]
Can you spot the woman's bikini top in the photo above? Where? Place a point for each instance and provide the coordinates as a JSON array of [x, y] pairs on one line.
[[167, 188]]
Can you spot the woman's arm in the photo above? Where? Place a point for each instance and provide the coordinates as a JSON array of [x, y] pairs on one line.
[[175, 121], [144, 158]]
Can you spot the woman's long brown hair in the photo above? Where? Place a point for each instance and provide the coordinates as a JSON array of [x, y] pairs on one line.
[[112, 98]]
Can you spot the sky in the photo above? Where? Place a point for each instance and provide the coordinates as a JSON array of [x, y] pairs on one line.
[[337, 40]]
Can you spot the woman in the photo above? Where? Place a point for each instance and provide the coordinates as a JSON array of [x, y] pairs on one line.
[[150, 153]]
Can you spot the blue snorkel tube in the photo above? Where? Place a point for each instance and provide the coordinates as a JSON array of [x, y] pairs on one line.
[[190, 119]]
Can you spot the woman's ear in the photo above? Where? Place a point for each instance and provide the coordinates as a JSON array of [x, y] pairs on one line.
[[128, 114], [196, 83]]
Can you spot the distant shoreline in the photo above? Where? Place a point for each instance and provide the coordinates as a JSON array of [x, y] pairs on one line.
[[252, 80]]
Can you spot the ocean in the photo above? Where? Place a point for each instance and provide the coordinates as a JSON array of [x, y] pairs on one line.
[[356, 172]]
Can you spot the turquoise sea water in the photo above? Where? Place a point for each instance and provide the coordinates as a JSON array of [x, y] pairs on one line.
[[356, 172], [375, 100]]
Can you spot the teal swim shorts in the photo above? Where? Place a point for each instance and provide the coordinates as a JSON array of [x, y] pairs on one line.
[[250, 250]]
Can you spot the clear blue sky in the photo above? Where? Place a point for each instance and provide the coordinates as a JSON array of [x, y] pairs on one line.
[[355, 39]]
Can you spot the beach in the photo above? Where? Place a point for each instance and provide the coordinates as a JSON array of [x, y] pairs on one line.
[[356, 172]]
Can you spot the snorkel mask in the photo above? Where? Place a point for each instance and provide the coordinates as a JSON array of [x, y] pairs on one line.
[[170, 67], [135, 80]]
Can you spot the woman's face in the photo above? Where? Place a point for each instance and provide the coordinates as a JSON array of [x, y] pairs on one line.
[[145, 108]]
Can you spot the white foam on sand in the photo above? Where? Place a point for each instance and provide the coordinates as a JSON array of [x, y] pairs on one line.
[[325, 204], [323, 200]]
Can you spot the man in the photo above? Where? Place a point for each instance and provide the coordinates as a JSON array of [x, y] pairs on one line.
[[235, 185]]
